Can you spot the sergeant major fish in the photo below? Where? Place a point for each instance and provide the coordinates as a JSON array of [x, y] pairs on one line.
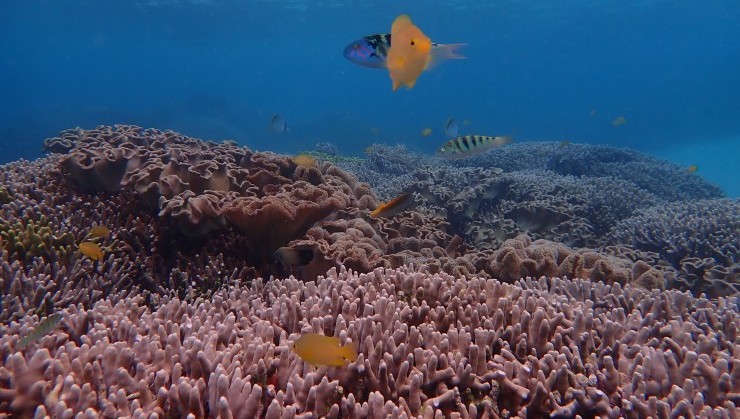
[[372, 51], [470, 145]]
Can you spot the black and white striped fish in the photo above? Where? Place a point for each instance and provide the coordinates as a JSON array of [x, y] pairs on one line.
[[470, 145]]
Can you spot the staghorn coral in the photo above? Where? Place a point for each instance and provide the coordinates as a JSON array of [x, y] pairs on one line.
[[430, 345], [698, 239], [6, 196], [27, 239]]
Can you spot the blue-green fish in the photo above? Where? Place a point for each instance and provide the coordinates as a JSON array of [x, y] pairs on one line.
[[42, 329], [470, 145]]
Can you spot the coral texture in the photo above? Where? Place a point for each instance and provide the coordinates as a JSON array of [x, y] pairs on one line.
[[202, 184], [430, 346], [700, 240]]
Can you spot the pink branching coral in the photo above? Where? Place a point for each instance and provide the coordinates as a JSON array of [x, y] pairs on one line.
[[430, 345]]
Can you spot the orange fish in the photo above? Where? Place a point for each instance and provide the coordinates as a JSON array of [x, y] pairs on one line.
[[409, 53], [395, 206], [692, 169], [99, 232], [91, 250], [324, 350], [304, 160]]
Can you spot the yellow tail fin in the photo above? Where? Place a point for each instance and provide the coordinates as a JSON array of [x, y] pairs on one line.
[[350, 352]]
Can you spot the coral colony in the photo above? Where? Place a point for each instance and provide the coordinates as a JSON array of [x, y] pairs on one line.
[[149, 274]]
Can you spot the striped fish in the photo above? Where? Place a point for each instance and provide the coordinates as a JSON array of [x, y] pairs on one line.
[[470, 145]]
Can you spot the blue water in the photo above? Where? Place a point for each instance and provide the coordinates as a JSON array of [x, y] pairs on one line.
[[537, 70]]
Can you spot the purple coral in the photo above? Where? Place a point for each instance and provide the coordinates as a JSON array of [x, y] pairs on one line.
[[429, 345]]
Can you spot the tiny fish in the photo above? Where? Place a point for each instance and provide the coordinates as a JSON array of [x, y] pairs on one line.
[[451, 129], [305, 161], [409, 53], [42, 329], [372, 51], [565, 143], [99, 232], [470, 145], [619, 121], [277, 123], [91, 250], [692, 169], [324, 350], [395, 206], [426, 132]]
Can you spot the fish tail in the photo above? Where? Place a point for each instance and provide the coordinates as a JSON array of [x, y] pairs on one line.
[[349, 352], [442, 52]]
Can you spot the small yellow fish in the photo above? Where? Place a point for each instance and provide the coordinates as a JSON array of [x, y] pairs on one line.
[[99, 232], [619, 121], [395, 206], [324, 350], [565, 143], [91, 250], [304, 160], [409, 53], [43, 328], [692, 169], [426, 132]]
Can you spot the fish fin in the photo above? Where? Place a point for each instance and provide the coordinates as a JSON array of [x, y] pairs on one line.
[[349, 352], [442, 52]]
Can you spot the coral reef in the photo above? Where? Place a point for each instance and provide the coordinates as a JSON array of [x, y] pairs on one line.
[[27, 239], [461, 306], [665, 180], [698, 239], [487, 206], [430, 346]]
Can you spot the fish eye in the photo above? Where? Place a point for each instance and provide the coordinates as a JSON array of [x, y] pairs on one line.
[[413, 42]]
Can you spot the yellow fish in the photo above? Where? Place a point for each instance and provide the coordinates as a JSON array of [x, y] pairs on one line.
[[305, 161], [91, 250], [426, 132], [99, 232], [324, 350], [692, 169], [409, 53], [619, 121]]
